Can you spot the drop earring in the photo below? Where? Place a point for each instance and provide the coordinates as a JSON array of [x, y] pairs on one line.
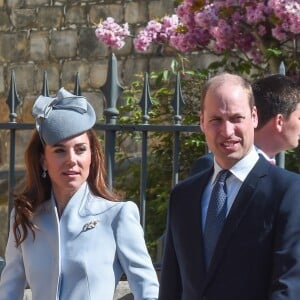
[[44, 174]]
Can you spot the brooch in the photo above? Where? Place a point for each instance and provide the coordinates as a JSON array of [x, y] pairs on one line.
[[90, 225]]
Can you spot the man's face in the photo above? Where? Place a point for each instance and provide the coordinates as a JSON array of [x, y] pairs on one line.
[[290, 130], [228, 123]]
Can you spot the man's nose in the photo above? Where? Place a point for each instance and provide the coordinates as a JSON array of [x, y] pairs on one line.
[[227, 128]]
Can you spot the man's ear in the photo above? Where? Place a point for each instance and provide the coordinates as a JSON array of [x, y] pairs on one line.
[[201, 120], [279, 121], [254, 117]]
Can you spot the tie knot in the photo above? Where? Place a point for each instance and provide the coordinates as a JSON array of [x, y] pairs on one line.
[[222, 176]]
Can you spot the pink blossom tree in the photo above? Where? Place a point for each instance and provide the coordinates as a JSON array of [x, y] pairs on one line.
[[258, 33]]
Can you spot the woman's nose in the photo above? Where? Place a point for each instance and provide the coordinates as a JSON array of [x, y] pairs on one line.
[[70, 158]]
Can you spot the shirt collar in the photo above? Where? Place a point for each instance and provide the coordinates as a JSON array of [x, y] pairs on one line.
[[267, 157], [242, 168]]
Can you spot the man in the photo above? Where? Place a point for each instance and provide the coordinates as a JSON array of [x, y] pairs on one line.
[[277, 98], [256, 255]]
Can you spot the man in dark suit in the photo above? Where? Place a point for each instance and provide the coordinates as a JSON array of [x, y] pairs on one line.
[[257, 251], [277, 99]]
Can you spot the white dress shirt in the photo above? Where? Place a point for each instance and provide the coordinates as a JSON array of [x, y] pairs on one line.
[[239, 173]]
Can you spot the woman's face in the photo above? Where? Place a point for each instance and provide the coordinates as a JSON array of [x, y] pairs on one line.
[[68, 165]]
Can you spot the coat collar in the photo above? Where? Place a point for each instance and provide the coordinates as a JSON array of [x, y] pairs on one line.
[[93, 205], [84, 202], [81, 214]]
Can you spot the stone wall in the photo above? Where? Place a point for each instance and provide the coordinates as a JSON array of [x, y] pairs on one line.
[[58, 37]]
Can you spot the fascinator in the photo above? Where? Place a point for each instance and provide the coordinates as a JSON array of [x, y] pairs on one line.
[[62, 117]]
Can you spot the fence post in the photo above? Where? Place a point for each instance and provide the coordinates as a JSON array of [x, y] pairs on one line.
[[177, 105], [12, 102], [145, 105], [111, 90]]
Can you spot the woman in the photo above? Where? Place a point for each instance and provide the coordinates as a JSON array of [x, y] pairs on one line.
[[70, 237]]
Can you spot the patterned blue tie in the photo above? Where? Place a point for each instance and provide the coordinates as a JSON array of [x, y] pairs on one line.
[[216, 215]]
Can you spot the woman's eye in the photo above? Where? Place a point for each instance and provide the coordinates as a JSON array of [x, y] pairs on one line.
[[81, 149], [58, 150]]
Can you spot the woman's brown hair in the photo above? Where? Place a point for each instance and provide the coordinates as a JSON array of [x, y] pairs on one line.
[[38, 190]]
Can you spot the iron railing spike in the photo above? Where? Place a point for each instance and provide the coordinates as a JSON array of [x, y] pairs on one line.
[[77, 88], [178, 101], [145, 102], [45, 90], [13, 99], [112, 89]]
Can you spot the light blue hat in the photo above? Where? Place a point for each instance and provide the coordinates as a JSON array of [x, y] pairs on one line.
[[62, 117]]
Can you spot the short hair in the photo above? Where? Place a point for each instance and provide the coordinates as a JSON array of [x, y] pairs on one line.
[[273, 95], [225, 77]]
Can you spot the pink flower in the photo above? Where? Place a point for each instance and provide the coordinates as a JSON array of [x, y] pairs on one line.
[[279, 33], [288, 12], [143, 41], [111, 33], [206, 17], [156, 31], [255, 13], [261, 30]]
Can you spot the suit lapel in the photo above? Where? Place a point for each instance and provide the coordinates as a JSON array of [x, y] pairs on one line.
[[239, 209], [197, 211], [193, 219], [185, 207]]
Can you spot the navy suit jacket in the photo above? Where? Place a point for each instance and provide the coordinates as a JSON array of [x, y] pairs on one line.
[[204, 162], [257, 256]]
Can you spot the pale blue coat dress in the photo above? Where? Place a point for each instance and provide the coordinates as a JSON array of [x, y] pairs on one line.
[[82, 255]]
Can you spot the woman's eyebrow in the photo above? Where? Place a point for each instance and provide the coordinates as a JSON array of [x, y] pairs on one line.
[[58, 145]]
